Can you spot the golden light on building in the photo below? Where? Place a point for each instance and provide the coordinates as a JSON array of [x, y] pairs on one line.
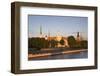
[[58, 38]]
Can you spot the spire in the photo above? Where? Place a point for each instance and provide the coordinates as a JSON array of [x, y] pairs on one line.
[[40, 30], [77, 34]]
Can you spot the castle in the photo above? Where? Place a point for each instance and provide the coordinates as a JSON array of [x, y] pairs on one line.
[[58, 38]]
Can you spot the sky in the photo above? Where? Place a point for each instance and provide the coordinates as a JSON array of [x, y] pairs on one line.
[[57, 25]]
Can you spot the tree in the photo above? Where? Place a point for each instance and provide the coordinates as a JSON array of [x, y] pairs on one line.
[[53, 43], [38, 43], [29, 43], [62, 42], [84, 44], [71, 41]]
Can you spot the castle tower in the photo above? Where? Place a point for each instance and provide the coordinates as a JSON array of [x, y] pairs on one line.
[[78, 37], [77, 34], [40, 31]]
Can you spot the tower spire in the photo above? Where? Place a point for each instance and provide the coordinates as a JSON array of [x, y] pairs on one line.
[[40, 30], [78, 36]]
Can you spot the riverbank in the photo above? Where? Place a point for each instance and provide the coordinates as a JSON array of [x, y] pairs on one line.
[[47, 54]]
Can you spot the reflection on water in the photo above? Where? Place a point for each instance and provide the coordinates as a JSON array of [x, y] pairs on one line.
[[83, 54]]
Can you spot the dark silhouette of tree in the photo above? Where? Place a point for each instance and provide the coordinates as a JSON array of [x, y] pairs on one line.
[[84, 44], [30, 45], [71, 41], [62, 42], [53, 43], [38, 43]]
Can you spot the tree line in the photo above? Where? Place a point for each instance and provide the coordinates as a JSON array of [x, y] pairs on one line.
[[39, 43]]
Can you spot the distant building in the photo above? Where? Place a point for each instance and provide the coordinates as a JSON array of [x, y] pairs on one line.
[[78, 39], [58, 38]]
